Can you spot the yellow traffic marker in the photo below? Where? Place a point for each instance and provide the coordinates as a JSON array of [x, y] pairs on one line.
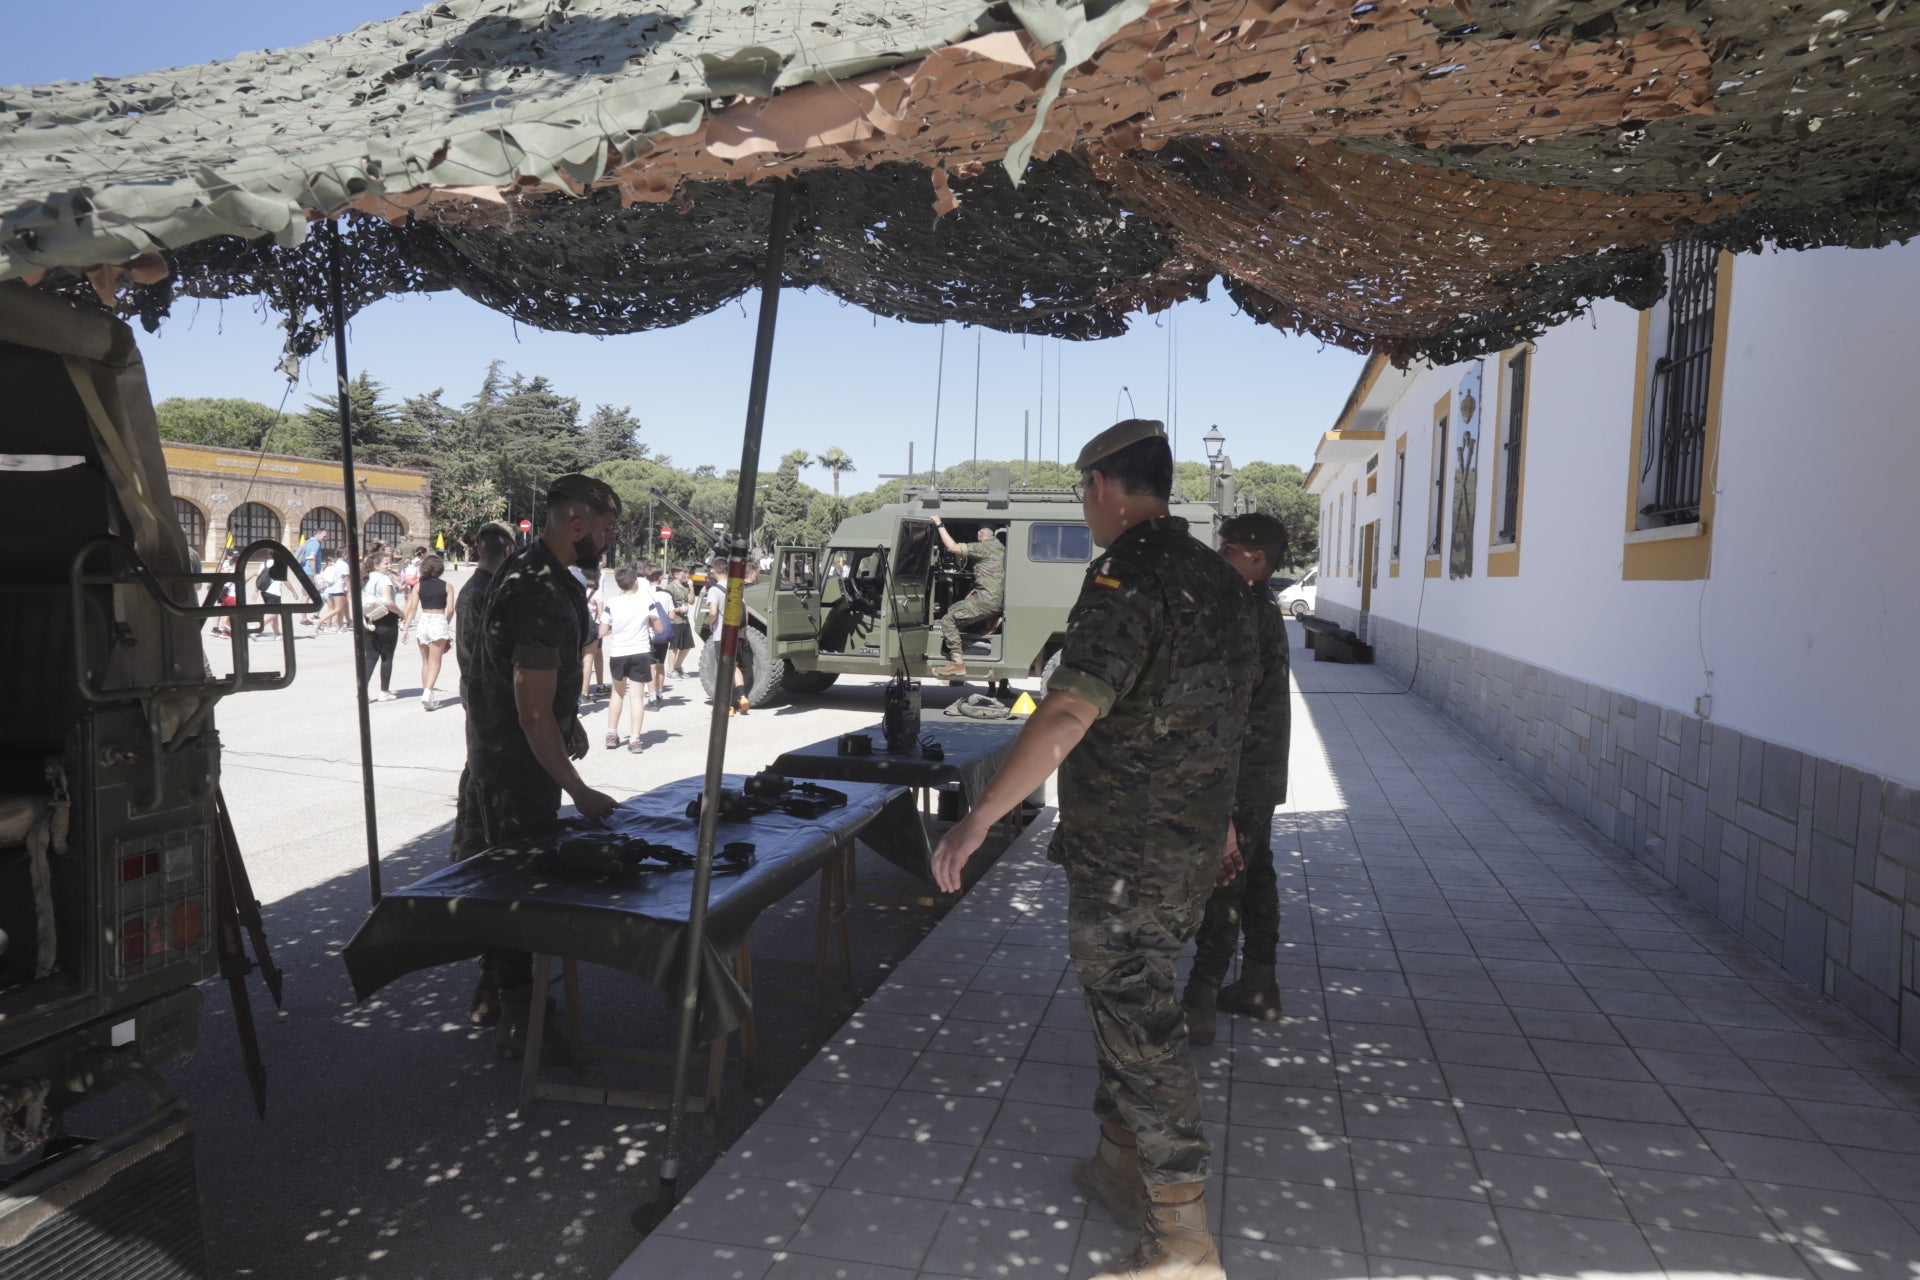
[[1023, 706]]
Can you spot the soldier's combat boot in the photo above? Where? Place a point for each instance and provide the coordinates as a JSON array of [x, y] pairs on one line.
[[955, 668], [1177, 1244], [1256, 995], [1113, 1178], [1203, 1017]]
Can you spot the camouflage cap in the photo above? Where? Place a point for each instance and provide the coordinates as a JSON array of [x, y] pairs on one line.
[[575, 487], [1117, 437], [1256, 529]]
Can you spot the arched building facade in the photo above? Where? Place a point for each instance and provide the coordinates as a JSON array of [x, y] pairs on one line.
[[222, 492]]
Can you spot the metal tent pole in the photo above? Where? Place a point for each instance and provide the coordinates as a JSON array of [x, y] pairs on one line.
[[648, 1215], [337, 311]]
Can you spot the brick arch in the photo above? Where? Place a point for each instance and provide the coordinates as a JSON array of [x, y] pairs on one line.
[[386, 526], [193, 523], [318, 519]]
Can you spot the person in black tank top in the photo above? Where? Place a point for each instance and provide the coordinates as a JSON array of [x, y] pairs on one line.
[[430, 614]]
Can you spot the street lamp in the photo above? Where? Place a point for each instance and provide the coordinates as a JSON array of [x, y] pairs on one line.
[[1215, 444]]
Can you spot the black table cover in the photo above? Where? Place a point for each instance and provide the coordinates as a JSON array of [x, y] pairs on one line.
[[632, 921]]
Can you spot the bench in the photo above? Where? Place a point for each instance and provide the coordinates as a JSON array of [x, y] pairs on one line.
[[1330, 642]]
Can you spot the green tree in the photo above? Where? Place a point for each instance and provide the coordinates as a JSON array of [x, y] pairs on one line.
[[836, 461], [611, 435], [382, 435], [1280, 490], [224, 424]]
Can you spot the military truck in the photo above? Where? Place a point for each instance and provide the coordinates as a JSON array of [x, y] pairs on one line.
[[112, 838], [864, 603]]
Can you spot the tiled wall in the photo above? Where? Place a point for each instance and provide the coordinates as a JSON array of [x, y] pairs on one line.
[[1815, 862]]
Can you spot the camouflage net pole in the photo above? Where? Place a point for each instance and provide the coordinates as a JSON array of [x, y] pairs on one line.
[[648, 1215], [337, 310]]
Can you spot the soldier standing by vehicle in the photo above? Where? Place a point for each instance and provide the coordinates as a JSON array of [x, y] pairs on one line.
[[987, 599], [1254, 545], [1144, 719], [523, 713]]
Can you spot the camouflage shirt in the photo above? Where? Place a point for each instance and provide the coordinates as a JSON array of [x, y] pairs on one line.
[[469, 608], [1161, 642], [535, 617], [1263, 757], [990, 571]]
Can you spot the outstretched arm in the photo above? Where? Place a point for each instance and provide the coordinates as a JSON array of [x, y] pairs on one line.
[[1054, 730]]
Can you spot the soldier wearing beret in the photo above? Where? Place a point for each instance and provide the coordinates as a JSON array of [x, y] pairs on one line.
[[1144, 720], [523, 695], [1254, 545]]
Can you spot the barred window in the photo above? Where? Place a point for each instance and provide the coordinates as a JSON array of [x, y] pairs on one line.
[[193, 523], [1399, 493], [1510, 445], [1437, 500], [1674, 431], [250, 523]]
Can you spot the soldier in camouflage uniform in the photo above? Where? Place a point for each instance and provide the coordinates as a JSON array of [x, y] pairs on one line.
[[1254, 545], [1145, 715], [988, 599], [523, 696]]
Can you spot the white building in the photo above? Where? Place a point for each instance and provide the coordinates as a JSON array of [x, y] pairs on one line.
[[1664, 562]]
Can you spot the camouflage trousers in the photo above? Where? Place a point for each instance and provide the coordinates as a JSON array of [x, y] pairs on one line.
[[1250, 903], [1125, 940], [487, 815], [948, 623]]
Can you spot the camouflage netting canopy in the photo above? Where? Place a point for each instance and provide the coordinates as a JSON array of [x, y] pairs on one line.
[[1422, 181]]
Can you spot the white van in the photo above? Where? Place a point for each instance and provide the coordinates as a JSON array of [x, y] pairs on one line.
[[1298, 598]]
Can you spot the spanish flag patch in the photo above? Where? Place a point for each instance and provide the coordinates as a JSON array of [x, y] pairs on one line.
[[1104, 580]]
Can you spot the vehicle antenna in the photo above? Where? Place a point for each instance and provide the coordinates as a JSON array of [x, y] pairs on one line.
[[939, 381]]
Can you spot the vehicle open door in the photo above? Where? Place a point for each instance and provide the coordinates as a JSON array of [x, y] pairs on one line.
[[793, 622], [910, 589]]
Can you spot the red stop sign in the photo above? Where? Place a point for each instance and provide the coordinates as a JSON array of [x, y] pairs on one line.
[[666, 533], [525, 525]]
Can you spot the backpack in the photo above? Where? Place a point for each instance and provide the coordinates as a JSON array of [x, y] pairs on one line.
[[373, 606]]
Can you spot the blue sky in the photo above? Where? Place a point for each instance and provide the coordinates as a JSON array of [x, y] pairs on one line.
[[841, 376]]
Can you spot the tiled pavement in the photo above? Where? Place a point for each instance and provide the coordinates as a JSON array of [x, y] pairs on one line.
[[1508, 1051]]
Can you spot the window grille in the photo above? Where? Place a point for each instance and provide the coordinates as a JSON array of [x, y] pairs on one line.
[[1399, 495], [1437, 520], [250, 522], [328, 521], [384, 526], [193, 523], [1674, 441], [1516, 422]]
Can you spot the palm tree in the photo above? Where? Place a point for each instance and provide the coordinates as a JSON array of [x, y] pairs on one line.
[[836, 461]]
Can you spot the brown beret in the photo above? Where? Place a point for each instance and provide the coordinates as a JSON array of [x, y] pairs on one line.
[[1117, 437]]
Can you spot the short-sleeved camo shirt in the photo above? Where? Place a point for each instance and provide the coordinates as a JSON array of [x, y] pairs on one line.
[[535, 617], [1161, 641], [989, 571]]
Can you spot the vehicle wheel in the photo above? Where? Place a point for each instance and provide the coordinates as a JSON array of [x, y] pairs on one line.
[[761, 671], [1300, 609], [799, 684], [1046, 672]]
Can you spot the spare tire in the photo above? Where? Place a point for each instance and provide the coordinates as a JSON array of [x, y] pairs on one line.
[[761, 671]]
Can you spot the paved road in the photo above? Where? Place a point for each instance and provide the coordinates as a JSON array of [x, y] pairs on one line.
[[390, 1148]]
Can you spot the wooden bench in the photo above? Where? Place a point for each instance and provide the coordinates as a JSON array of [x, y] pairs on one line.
[[1329, 642]]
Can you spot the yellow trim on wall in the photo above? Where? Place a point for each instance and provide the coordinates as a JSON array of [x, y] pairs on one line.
[[1433, 565], [1373, 483], [1684, 559], [245, 465], [1503, 558]]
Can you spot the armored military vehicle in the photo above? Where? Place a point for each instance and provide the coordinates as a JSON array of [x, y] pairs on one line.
[[864, 604], [115, 878]]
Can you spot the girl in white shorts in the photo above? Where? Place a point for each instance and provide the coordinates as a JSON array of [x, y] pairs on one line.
[[430, 614]]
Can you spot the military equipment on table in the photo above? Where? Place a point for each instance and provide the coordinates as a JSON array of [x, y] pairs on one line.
[[120, 884], [864, 603]]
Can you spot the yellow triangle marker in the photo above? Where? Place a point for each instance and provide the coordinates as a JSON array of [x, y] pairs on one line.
[[1023, 706]]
